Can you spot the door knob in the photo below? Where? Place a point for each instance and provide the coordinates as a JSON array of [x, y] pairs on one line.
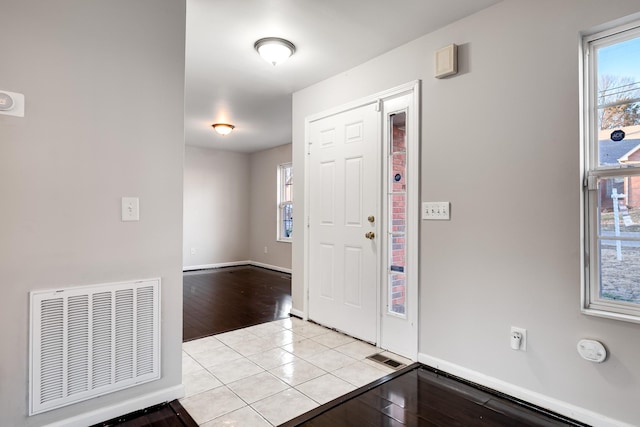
[[370, 235]]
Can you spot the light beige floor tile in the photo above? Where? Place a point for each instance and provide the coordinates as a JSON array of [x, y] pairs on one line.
[[199, 381], [233, 337], [257, 387], [211, 404], [202, 345], [189, 365], [308, 329], [272, 358], [284, 406], [284, 337], [325, 388], [305, 348], [265, 329], [217, 356], [331, 360], [251, 345], [297, 372], [244, 417], [359, 374], [286, 323], [358, 349], [333, 339], [279, 347], [238, 369]]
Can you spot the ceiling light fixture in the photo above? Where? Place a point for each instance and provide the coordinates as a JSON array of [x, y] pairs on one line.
[[274, 50], [223, 128]]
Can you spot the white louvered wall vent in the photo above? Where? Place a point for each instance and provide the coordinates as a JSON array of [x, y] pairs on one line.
[[90, 341]]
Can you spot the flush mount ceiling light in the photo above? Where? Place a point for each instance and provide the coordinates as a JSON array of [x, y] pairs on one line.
[[223, 128], [274, 50]]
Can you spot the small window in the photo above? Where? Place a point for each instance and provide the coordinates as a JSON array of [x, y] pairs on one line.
[[612, 174], [285, 202]]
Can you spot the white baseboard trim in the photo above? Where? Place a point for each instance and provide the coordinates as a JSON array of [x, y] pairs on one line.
[[123, 408], [218, 265], [235, 264], [298, 313], [555, 405], [270, 267]]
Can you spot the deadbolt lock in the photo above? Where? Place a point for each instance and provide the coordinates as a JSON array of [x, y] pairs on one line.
[[371, 218], [370, 235]]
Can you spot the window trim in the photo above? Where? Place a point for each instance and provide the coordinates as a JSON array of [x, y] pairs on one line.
[[281, 204], [591, 171]]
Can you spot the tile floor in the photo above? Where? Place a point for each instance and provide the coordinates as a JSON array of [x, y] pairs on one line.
[[267, 374]]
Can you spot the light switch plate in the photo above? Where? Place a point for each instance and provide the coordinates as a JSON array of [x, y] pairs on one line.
[[130, 209], [436, 210]]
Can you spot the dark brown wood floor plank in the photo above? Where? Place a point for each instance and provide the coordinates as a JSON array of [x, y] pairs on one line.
[[226, 299], [423, 398]]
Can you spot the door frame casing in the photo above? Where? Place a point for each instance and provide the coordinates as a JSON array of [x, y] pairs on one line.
[[413, 177]]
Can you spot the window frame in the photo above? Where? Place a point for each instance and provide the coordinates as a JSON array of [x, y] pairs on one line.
[[593, 172], [282, 203]]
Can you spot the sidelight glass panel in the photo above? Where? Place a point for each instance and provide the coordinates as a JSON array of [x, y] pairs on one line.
[[397, 214]]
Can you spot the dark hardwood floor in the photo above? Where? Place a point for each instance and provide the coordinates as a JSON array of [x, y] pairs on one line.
[[170, 414], [420, 396], [215, 301]]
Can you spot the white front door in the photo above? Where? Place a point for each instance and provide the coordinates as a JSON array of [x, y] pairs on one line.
[[344, 185], [362, 206]]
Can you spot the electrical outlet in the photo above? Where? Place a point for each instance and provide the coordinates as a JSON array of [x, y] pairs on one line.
[[193, 251], [436, 210], [518, 338], [266, 249]]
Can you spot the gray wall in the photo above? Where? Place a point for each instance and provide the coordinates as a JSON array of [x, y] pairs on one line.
[[264, 203], [216, 206], [501, 142], [104, 86], [230, 208]]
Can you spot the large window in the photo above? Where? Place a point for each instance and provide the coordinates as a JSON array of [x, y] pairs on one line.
[[612, 173], [285, 202]]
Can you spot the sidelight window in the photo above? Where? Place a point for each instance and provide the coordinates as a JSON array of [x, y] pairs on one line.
[[397, 206]]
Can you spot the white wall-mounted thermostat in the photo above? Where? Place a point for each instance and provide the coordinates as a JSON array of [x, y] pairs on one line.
[[11, 103], [592, 350]]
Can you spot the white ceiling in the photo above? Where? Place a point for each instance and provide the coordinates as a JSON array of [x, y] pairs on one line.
[[226, 80]]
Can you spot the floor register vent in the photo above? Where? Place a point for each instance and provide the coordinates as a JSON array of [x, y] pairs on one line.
[[89, 341], [384, 360]]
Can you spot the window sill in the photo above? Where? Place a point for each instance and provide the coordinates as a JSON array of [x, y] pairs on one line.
[[611, 315]]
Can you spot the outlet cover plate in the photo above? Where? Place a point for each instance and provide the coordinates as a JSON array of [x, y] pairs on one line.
[[523, 334]]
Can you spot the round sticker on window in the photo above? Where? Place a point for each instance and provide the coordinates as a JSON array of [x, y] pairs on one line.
[[397, 177], [617, 135]]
